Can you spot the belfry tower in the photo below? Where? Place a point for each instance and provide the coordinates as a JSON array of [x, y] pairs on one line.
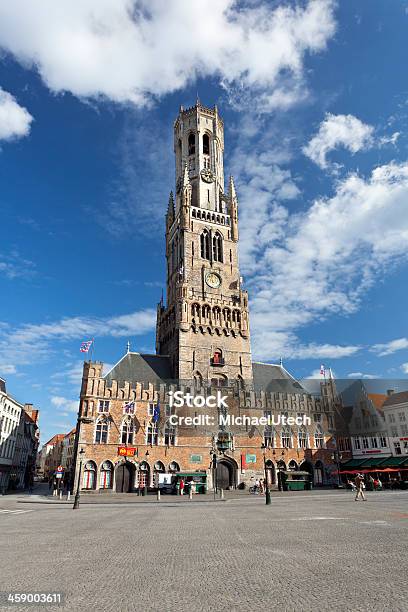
[[204, 327]]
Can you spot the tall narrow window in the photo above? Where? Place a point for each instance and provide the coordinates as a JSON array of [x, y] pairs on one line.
[[205, 244], [126, 436], [101, 432], [191, 144], [217, 247], [206, 144]]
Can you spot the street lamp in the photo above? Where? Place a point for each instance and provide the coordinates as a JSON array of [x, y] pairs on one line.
[[145, 484], [267, 491], [77, 494], [337, 457]]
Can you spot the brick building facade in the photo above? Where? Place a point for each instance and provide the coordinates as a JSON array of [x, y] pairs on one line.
[[126, 428]]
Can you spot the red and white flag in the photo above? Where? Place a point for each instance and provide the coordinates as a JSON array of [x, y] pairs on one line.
[[85, 346]]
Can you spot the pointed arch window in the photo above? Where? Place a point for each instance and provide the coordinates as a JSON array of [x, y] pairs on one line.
[[205, 244], [169, 435], [127, 431], [206, 144], [105, 480], [303, 438], [191, 144], [217, 247], [319, 438], [101, 431], [286, 437]]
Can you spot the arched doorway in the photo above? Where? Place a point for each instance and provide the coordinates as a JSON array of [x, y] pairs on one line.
[[124, 477], [318, 473], [293, 466], [270, 472], [226, 473]]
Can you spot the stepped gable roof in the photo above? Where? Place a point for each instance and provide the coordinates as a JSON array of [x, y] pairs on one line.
[[275, 379], [396, 398], [138, 368]]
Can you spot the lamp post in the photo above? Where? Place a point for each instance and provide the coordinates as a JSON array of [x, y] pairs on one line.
[[145, 484], [337, 457], [267, 491], [77, 494]]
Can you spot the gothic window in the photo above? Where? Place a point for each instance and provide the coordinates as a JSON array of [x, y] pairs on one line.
[[205, 244], [191, 144], [152, 434], [169, 435], [206, 144], [240, 382], [198, 380], [269, 437], [89, 477], [217, 247], [195, 310], [126, 436], [101, 431], [105, 479], [103, 406], [217, 357], [303, 438], [319, 438], [286, 437], [216, 314]]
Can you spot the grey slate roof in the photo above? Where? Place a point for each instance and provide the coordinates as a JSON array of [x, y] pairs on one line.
[[274, 379], [134, 367]]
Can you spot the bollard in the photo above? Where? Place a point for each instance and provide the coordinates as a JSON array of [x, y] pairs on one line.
[[68, 495], [190, 494], [222, 493], [158, 495], [60, 494]]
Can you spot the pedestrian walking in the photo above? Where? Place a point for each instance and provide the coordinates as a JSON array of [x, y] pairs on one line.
[[359, 482], [181, 487], [261, 486]]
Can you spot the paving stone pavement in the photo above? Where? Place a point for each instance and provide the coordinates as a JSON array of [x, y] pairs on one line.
[[303, 553]]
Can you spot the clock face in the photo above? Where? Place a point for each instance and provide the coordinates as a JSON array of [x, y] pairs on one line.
[[207, 175], [213, 280]]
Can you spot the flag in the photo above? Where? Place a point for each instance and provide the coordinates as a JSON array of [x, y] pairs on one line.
[[156, 413], [85, 346], [322, 370], [129, 408]]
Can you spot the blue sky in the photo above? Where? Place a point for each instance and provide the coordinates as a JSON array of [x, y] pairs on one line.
[[314, 96]]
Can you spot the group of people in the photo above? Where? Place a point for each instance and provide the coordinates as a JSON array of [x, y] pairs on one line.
[[259, 486], [182, 486], [60, 486]]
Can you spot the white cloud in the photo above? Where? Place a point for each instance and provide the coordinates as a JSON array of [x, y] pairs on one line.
[[15, 120], [338, 131], [391, 347], [6, 368], [361, 375], [404, 368], [305, 266], [65, 405], [27, 341], [132, 51]]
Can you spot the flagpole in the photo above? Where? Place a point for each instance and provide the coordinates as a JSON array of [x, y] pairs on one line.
[[92, 349]]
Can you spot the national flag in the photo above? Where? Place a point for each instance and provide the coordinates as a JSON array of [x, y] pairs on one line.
[[85, 346], [156, 413], [322, 370]]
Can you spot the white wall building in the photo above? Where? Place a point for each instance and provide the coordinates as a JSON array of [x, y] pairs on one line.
[[10, 415], [395, 410]]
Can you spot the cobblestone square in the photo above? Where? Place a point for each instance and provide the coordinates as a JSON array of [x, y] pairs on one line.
[[307, 551]]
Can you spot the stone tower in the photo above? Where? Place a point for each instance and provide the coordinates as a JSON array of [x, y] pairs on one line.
[[204, 327]]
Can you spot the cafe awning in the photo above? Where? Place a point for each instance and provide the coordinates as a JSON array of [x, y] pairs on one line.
[[395, 462], [353, 464]]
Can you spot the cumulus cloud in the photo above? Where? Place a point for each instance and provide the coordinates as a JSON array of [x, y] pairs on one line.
[[63, 404], [338, 131], [35, 340], [7, 368], [404, 368], [132, 51], [318, 262], [15, 120], [388, 348], [362, 375]]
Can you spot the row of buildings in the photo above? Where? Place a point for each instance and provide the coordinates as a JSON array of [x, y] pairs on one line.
[[19, 438], [56, 452]]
